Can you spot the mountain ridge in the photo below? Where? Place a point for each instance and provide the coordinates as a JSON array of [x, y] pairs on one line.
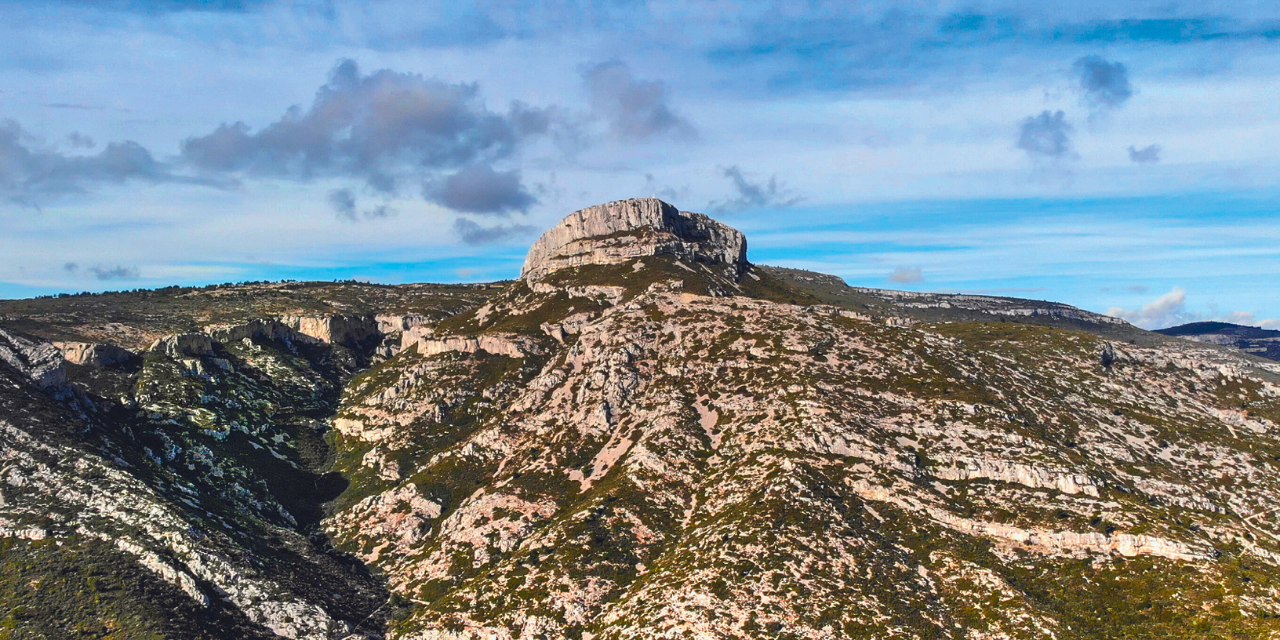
[[651, 441]]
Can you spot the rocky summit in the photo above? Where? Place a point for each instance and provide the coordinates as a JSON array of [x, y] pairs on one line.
[[645, 436], [616, 232]]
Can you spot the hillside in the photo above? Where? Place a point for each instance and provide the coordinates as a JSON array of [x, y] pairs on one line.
[[645, 436]]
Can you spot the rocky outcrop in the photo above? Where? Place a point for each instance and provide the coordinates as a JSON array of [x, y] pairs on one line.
[[618, 231], [388, 324], [344, 330], [192, 345], [595, 292], [93, 354], [1071, 542], [393, 328], [257, 328], [500, 345], [39, 362], [400, 518], [962, 469]]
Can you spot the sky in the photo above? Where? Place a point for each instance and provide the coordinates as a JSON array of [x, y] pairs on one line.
[[1120, 156]]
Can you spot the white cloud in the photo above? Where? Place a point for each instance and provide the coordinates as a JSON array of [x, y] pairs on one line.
[[1239, 317], [1250, 320], [1170, 310], [1165, 311], [906, 275]]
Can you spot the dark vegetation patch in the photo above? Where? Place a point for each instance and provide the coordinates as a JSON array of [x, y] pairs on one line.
[[85, 588]]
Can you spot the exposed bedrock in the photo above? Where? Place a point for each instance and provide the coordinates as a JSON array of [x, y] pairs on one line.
[[93, 354], [39, 362], [618, 231]]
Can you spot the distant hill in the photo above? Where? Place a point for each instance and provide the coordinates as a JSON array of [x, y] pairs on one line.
[[1260, 342]]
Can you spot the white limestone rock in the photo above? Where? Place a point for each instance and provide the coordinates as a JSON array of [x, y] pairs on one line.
[[39, 362], [93, 354], [183, 345], [618, 231], [511, 346], [331, 329]]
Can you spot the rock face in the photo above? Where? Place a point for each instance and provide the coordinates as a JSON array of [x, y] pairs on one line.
[[257, 328], [331, 329], [389, 324], [511, 346], [93, 354], [619, 231], [184, 344], [39, 362]]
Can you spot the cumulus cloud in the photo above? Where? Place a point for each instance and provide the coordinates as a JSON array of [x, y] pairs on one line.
[[635, 109], [754, 195], [104, 273], [1046, 136], [665, 192], [1165, 311], [1149, 154], [480, 189], [377, 127], [1170, 310], [906, 275], [380, 211], [1240, 317], [1103, 84], [79, 140], [343, 202], [30, 171], [473, 233], [115, 273], [1249, 320]]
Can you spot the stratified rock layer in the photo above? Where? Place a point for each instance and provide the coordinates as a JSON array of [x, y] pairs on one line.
[[41, 363], [618, 231]]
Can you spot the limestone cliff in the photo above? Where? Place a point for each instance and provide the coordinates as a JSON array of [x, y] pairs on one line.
[[619, 231]]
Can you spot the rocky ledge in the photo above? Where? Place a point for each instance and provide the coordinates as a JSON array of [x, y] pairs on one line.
[[619, 231]]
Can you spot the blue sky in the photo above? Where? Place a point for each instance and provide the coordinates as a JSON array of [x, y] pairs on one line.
[[1120, 156]]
